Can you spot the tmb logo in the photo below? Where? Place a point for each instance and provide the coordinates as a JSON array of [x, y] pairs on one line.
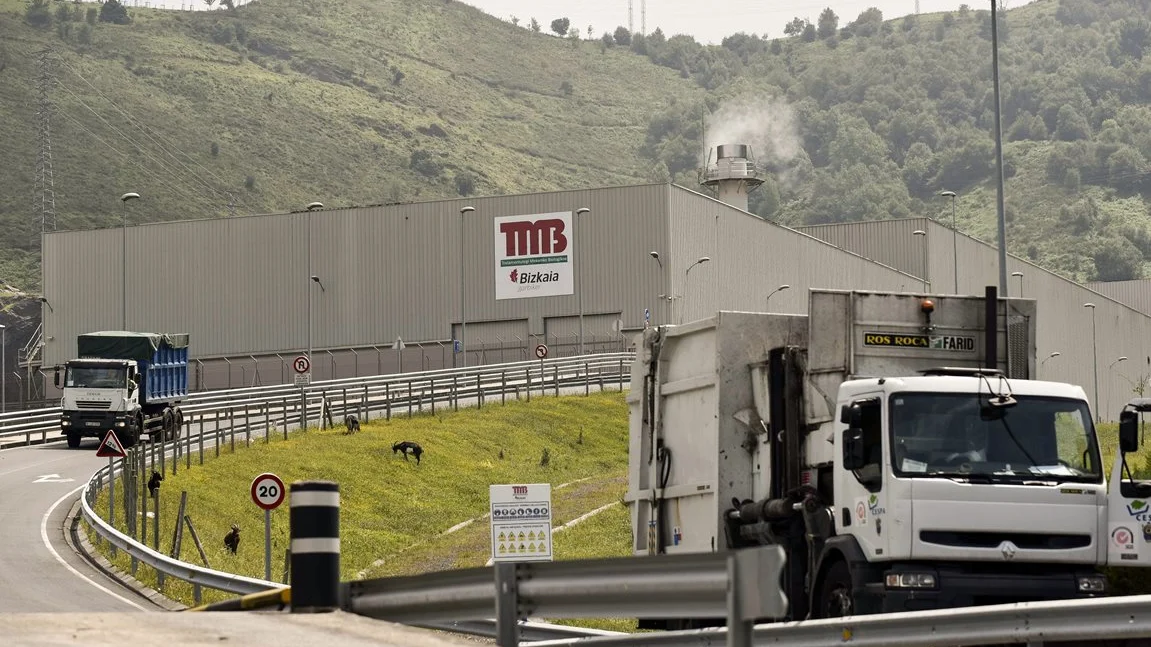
[[527, 238], [519, 490]]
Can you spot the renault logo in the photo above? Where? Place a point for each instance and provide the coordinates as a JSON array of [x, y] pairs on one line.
[[1008, 549]]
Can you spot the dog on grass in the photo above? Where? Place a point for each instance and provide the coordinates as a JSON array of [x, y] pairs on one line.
[[352, 423], [408, 446]]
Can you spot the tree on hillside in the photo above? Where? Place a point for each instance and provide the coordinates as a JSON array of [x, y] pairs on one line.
[[535, 25], [114, 12], [560, 26], [622, 36], [828, 23], [795, 27]]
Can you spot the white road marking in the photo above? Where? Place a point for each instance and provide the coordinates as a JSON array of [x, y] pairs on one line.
[[51, 478], [48, 544]]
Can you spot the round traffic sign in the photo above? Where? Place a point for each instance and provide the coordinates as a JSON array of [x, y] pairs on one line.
[[541, 351], [301, 364], [267, 491]]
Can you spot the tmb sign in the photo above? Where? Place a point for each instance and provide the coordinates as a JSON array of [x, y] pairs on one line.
[[534, 255]]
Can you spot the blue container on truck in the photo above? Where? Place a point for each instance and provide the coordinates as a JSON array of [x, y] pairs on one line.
[[129, 382]]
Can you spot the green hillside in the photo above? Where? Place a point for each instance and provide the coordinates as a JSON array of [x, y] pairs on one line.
[[890, 113], [282, 102], [350, 102]]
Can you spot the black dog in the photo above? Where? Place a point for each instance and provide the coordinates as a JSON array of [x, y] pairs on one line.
[[154, 483], [408, 446], [352, 423], [232, 539]]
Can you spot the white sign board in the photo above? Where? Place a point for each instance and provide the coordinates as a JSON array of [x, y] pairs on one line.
[[533, 255], [303, 379], [521, 522]]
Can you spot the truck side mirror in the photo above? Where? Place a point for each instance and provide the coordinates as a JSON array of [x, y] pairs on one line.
[[854, 457], [1128, 432], [131, 386], [56, 378]]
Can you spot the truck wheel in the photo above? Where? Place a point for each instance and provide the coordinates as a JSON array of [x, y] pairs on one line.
[[73, 440], [835, 599]]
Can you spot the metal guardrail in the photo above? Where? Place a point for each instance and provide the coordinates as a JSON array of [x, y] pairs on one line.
[[1095, 621], [740, 586], [244, 411], [429, 387]]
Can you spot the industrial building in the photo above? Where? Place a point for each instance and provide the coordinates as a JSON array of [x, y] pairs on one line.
[[385, 288]]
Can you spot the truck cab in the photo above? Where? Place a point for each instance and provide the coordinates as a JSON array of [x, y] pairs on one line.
[[98, 395], [961, 487]]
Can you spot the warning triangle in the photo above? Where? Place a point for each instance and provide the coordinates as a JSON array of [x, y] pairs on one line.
[[532, 535], [531, 548], [503, 536], [521, 535], [522, 548], [110, 447]]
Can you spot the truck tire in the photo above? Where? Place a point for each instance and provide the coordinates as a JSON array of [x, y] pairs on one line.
[[73, 440], [167, 426], [835, 599]]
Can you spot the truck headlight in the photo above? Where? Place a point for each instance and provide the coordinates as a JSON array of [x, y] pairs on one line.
[[65, 423], [120, 424], [1092, 584], [910, 581]]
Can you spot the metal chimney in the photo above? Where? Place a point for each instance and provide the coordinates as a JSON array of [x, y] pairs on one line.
[[734, 174]]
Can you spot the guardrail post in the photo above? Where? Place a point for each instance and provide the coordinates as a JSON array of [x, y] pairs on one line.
[[556, 379], [247, 428], [528, 384], [586, 379], [456, 392], [314, 528], [387, 402], [507, 605], [621, 376]]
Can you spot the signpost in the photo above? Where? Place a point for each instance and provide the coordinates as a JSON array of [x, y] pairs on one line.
[[112, 448], [268, 493], [541, 352], [521, 521], [302, 365]]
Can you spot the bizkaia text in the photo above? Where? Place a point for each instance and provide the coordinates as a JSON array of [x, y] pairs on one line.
[[533, 277]]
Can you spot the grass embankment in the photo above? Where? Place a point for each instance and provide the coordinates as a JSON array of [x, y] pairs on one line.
[[395, 515]]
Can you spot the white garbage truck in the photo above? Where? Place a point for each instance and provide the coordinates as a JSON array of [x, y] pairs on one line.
[[896, 445]]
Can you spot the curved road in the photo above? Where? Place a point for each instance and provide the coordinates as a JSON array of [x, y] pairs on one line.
[[39, 571]]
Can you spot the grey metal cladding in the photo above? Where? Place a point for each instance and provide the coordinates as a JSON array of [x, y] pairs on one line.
[[240, 285]]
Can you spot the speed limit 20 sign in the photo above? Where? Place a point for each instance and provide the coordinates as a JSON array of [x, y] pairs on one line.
[[267, 491]]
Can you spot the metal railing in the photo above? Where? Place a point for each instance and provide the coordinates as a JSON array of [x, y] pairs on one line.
[[220, 419], [386, 392]]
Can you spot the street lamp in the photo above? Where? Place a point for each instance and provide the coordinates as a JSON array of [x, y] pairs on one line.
[[1109, 366], [3, 369], [686, 273], [463, 323], [779, 289], [312, 206], [954, 236], [662, 297], [124, 261], [655, 255], [1054, 354], [1095, 358], [1020, 275], [926, 282], [579, 272]]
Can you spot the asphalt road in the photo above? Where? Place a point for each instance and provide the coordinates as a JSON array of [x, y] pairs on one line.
[[39, 571]]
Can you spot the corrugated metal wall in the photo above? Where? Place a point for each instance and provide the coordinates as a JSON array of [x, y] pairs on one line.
[[1064, 326], [240, 285], [1136, 294], [891, 242], [751, 257]]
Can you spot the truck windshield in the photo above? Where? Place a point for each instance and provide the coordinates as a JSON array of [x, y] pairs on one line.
[[953, 435], [94, 377]]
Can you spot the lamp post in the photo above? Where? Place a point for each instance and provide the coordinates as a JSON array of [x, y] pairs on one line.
[[1020, 275], [1095, 359], [312, 206], [926, 282], [124, 260], [3, 369], [579, 272], [686, 275], [954, 241], [769, 294], [1109, 366], [662, 297], [1053, 354], [463, 322]]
